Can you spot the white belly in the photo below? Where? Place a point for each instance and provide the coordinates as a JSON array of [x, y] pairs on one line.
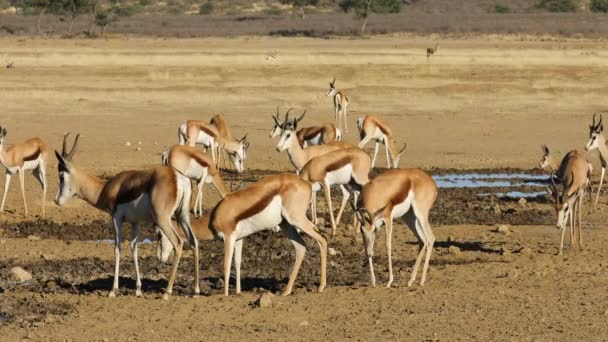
[[316, 140], [28, 165], [196, 171], [378, 135], [138, 210], [268, 218], [342, 175], [403, 207], [205, 139]]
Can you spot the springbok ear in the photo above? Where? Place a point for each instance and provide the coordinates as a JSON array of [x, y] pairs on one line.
[[63, 165], [4, 132], [276, 121], [243, 138], [545, 149], [601, 127]]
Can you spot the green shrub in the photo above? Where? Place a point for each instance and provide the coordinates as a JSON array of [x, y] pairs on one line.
[[206, 8], [144, 3], [556, 5], [502, 9], [274, 10], [386, 6], [599, 6]]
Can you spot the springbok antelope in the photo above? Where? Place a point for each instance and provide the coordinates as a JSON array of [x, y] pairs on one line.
[[372, 128], [152, 195], [200, 229], [349, 166], [569, 202], [300, 156], [598, 140], [277, 200], [29, 155], [393, 194], [308, 136], [210, 137], [340, 104], [196, 165], [431, 51], [236, 149]]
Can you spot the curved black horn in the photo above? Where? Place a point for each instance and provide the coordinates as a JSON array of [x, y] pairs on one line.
[[73, 150], [64, 146], [403, 149], [301, 116]]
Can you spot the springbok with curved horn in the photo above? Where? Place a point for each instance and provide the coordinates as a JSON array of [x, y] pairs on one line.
[[574, 172], [199, 132], [349, 166], [153, 195], [372, 128], [197, 166], [396, 193], [598, 140], [340, 105], [278, 200], [32, 154]]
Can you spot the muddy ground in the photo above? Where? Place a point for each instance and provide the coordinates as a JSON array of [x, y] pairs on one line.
[[484, 105]]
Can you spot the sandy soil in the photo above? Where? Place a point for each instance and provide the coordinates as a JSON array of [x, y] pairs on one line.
[[487, 102]]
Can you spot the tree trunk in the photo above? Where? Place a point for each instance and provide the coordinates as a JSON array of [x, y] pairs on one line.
[[302, 15], [103, 31], [71, 24], [40, 18], [93, 15], [369, 5]]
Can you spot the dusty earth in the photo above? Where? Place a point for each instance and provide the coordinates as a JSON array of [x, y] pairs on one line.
[[484, 104]]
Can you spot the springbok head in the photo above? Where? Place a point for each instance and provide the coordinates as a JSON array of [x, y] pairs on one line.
[[563, 202], [239, 155], [545, 161], [67, 188], [596, 135], [2, 136], [288, 134], [369, 223], [332, 88]]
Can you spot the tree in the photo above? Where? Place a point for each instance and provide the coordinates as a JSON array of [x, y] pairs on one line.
[[105, 17], [360, 8], [73, 9]]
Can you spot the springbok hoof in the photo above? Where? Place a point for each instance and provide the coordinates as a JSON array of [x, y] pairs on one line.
[[112, 294], [138, 293], [321, 289], [166, 296]]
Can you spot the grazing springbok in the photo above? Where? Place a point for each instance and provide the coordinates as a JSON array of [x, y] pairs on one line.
[[340, 104], [349, 166], [372, 128], [308, 136], [598, 140], [199, 132], [236, 149], [277, 200], [196, 165], [153, 195], [29, 155], [393, 194], [574, 172], [431, 51]]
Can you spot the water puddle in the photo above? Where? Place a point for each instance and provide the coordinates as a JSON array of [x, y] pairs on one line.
[[515, 194], [490, 180]]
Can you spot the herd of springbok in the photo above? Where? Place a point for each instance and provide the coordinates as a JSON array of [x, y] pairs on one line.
[[162, 195]]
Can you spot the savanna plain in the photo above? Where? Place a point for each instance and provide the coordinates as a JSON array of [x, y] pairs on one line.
[[482, 104]]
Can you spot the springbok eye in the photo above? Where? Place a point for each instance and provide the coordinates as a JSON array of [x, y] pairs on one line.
[[289, 135]]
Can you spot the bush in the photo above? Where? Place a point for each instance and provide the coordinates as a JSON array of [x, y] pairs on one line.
[[206, 8], [599, 6], [386, 6], [557, 5], [502, 9], [145, 3], [274, 10]]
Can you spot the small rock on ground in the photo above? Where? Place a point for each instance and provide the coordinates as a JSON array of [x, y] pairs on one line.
[[304, 324], [264, 301], [504, 229], [454, 250], [18, 274], [33, 237]]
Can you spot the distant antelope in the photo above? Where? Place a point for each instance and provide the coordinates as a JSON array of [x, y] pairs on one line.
[[393, 194], [307, 136], [194, 164], [278, 200], [29, 155], [574, 172], [349, 166], [598, 140], [206, 134], [153, 195], [372, 128], [431, 51], [10, 65], [340, 105]]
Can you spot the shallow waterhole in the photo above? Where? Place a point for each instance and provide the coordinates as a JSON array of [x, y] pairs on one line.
[[526, 185]]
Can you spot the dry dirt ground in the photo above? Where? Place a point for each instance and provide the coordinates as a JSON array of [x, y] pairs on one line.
[[481, 103]]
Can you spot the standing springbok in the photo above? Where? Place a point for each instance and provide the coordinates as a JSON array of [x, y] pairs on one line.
[[431, 51], [236, 149], [153, 195], [340, 104], [278, 200], [574, 172], [308, 136], [393, 194], [598, 140], [29, 155], [206, 134], [196, 165], [372, 128], [349, 166]]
